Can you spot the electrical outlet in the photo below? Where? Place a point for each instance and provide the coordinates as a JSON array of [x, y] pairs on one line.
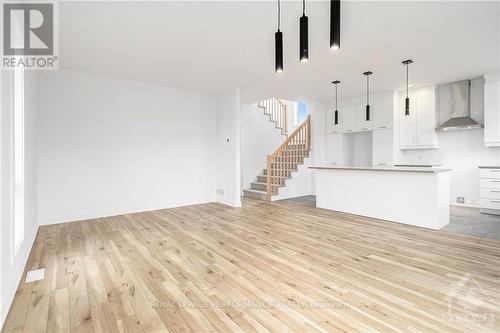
[[220, 191], [460, 200]]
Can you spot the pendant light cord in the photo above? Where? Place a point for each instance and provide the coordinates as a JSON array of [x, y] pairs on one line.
[[407, 86], [279, 15], [367, 89], [336, 95], [303, 7]]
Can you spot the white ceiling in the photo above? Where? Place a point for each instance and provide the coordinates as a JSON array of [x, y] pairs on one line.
[[214, 45]]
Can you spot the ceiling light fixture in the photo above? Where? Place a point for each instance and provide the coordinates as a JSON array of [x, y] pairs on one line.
[[278, 45], [407, 100], [367, 74], [336, 113], [303, 33], [334, 24]]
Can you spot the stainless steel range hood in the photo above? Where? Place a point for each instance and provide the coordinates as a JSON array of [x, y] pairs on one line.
[[460, 118]]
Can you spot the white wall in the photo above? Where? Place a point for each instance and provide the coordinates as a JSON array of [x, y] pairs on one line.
[[318, 132], [300, 184], [291, 108], [259, 138], [318, 137], [461, 151], [228, 180], [12, 263], [110, 146]]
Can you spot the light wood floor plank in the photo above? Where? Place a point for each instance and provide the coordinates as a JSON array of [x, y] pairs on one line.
[[265, 267]]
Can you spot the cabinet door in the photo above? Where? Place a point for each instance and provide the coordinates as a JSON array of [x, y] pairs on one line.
[[382, 148], [349, 118], [382, 114], [408, 124], [492, 114], [330, 119], [334, 149], [426, 118], [362, 123]]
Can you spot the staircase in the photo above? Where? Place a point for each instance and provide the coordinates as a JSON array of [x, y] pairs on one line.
[[282, 163], [276, 112]]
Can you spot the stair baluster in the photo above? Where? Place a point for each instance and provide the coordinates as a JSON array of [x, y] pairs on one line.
[[294, 149]]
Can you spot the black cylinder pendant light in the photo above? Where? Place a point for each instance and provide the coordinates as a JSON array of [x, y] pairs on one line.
[[336, 113], [278, 45], [407, 100], [303, 33], [334, 24], [367, 115]]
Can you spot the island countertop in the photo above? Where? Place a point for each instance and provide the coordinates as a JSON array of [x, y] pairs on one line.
[[381, 168]]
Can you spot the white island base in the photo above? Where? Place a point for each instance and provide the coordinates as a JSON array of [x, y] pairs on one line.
[[415, 196]]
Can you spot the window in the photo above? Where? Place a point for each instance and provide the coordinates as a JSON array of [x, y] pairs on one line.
[[302, 114], [18, 229]]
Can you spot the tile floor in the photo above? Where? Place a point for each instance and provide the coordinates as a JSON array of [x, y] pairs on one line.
[[467, 220]]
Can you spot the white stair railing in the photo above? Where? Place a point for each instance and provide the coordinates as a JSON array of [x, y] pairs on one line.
[[276, 109]]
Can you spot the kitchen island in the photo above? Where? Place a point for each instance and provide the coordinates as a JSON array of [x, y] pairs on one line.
[[417, 196]]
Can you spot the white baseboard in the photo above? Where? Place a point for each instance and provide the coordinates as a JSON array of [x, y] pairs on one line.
[[463, 205], [235, 203], [79, 216]]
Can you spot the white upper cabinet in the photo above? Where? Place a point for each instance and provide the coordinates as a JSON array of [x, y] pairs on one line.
[[492, 110], [330, 118], [382, 113], [353, 113], [418, 130], [349, 123], [408, 124], [361, 123]]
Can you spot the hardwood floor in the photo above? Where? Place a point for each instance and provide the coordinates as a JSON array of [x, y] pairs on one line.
[[275, 267]]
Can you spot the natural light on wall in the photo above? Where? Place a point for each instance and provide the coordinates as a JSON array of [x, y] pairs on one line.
[[18, 230]]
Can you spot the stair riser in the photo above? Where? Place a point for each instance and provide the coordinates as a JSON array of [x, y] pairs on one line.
[[260, 187], [277, 180], [287, 173], [255, 195], [263, 186]]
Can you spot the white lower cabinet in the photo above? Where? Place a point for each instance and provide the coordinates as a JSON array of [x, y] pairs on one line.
[[489, 190], [418, 129]]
